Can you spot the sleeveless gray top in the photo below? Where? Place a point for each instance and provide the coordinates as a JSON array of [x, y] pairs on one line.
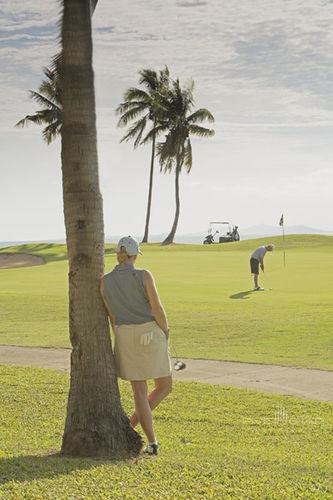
[[126, 296]]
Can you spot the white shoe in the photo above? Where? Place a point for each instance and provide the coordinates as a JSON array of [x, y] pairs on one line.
[[259, 289], [152, 449]]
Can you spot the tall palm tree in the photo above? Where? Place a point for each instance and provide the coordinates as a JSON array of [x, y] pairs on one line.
[[144, 108], [49, 98], [176, 151], [95, 424]]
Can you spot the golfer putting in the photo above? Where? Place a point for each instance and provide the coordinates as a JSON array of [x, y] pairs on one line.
[[256, 260]]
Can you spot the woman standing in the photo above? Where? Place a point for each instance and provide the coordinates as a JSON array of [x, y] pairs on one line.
[[140, 327]]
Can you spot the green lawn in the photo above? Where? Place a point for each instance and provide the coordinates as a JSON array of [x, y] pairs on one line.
[[215, 443], [207, 293]]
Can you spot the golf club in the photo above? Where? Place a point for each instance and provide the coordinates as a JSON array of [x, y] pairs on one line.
[[179, 365], [267, 282]]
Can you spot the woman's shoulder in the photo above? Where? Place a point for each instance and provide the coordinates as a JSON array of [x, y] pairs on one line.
[[143, 273], [148, 277]]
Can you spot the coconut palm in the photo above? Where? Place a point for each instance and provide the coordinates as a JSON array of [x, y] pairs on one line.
[[95, 424], [176, 150], [49, 98], [144, 108]]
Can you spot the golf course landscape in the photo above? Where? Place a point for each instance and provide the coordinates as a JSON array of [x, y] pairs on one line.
[[208, 295], [216, 441]]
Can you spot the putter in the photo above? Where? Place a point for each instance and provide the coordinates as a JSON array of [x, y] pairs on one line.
[[179, 365], [265, 274]]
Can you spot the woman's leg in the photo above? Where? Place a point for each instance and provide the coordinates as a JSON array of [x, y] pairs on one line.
[[163, 387], [142, 408]]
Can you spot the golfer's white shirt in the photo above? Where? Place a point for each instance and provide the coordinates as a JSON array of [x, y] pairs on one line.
[[259, 254]]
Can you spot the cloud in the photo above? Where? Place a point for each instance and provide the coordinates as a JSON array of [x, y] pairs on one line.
[[191, 3], [259, 61], [264, 68], [313, 184], [23, 16]]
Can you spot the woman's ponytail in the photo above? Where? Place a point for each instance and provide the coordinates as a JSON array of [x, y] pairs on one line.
[[123, 255]]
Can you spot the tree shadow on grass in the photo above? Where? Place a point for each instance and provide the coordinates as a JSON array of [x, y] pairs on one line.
[[242, 295], [29, 468]]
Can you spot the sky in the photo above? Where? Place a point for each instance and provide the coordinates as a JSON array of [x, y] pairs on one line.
[[264, 69]]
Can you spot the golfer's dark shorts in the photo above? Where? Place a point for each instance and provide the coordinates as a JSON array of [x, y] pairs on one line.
[[254, 263]]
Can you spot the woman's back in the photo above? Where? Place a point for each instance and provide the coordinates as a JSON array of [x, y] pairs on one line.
[[126, 296]]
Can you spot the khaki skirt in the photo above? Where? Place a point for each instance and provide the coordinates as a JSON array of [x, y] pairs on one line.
[[141, 352]]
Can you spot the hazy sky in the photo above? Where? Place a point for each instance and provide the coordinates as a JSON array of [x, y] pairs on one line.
[[264, 68]]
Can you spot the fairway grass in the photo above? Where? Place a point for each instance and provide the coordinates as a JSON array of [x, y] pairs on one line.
[[207, 293], [215, 443]]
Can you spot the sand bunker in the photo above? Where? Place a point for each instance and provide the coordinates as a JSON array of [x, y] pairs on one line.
[[8, 260]]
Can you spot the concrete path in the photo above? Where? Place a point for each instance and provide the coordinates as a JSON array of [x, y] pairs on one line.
[[300, 382]]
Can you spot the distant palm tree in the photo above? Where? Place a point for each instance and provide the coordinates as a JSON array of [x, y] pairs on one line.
[[49, 98], [176, 151], [144, 108]]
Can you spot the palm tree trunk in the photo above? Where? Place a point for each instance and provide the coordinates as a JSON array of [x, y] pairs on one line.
[[169, 239], [145, 236], [95, 424]]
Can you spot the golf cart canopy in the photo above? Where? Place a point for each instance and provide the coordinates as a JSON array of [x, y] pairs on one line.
[[222, 229], [225, 230]]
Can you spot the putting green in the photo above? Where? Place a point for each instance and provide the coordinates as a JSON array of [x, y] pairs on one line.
[[207, 292]]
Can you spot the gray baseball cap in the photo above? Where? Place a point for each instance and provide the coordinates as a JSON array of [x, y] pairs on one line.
[[130, 244]]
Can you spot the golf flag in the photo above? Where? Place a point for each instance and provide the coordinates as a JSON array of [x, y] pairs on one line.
[[281, 224]]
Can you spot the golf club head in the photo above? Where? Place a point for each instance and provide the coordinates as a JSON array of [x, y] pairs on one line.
[[179, 365]]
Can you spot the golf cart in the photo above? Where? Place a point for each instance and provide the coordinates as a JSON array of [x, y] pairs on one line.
[[226, 232]]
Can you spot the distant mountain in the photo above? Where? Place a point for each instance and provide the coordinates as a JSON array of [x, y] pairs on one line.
[[245, 234], [193, 238], [264, 230], [27, 242], [248, 233]]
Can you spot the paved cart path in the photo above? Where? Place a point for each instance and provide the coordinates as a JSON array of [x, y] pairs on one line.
[[301, 382]]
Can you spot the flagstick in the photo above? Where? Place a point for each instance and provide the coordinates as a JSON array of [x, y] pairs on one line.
[[284, 248]]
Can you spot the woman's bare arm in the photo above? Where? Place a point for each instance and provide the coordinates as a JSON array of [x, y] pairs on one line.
[[112, 318], [155, 303]]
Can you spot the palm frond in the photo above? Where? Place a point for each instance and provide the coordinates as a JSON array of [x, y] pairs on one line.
[[188, 155], [131, 115], [167, 162], [168, 150], [201, 115], [50, 87], [136, 131], [42, 100], [125, 106], [52, 131], [48, 91], [149, 78], [200, 131], [164, 77], [41, 117], [134, 94], [155, 131], [56, 63], [29, 119]]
